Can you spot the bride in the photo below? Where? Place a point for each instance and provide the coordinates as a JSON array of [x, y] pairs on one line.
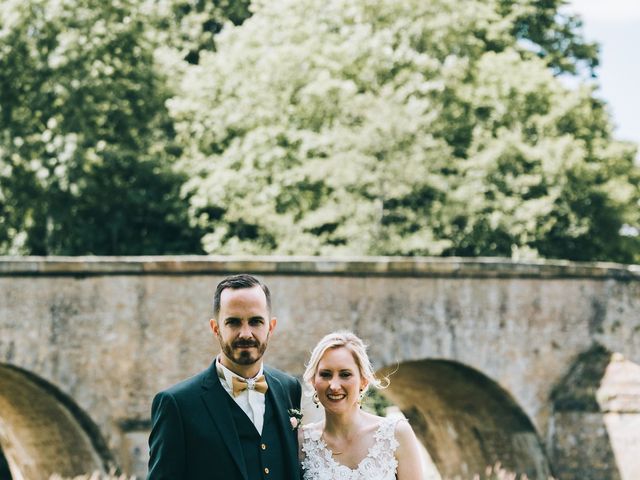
[[351, 444]]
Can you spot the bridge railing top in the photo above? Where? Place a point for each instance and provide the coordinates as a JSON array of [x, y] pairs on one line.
[[483, 267]]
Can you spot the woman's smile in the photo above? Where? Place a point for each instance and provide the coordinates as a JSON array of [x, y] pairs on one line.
[[336, 396]]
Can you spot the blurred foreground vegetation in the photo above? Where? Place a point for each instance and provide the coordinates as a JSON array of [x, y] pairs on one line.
[[368, 127]]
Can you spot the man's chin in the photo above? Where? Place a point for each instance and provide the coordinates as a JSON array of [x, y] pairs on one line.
[[245, 358]]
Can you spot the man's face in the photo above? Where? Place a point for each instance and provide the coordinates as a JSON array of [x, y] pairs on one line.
[[243, 325]]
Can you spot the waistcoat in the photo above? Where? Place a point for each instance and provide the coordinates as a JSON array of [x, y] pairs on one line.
[[263, 454]]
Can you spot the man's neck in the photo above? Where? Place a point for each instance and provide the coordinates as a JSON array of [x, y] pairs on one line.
[[244, 371]]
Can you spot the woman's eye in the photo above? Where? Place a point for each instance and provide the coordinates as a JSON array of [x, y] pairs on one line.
[[345, 374], [325, 374]]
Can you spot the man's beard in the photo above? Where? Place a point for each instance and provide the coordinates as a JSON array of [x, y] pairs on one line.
[[243, 357]]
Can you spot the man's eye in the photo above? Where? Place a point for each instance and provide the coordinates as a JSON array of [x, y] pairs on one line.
[[257, 321], [232, 322]]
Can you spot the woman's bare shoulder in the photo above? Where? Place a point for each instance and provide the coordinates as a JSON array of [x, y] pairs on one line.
[[403, 430], [312, 428], [308, 430]]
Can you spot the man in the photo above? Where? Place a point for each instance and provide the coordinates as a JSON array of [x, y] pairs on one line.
[[232, 420]]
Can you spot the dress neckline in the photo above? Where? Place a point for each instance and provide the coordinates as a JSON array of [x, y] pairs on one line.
[[377, 437]]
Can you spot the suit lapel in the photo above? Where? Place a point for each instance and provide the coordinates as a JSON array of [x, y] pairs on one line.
[[217, 403], [278, 395]]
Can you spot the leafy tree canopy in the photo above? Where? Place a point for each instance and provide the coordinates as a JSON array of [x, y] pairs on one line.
[[304, 127], [86, 144], [404, 127], [189, 27]]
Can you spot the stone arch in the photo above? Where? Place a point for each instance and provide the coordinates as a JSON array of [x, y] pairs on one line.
[[42, 431], [466, 421], [596, 405]]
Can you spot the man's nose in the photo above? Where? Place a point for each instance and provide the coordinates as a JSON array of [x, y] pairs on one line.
[[245, 331]]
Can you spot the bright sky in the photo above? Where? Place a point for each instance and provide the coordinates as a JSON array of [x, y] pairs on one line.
[[615, 24]]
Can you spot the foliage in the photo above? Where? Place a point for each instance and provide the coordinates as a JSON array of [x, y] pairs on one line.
[[189, 27], [375, 402], [551, 33], [304, 127], [403, 128], [86, 145]]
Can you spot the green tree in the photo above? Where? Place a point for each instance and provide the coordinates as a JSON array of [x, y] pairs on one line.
[[86, 143], [189, 27], [404, 127], [551, 33]]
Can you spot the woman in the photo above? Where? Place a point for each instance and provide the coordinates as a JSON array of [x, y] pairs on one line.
[[351, 444]]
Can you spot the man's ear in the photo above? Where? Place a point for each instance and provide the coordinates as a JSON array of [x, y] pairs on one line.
[[272, 324], [214, 326]]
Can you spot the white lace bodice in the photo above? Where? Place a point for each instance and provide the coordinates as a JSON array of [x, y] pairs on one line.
[[379, 464]]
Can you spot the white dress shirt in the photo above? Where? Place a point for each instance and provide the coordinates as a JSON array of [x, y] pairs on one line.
[[250, 401]]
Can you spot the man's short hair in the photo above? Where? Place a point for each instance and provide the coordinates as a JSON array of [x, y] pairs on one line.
[[236, 282]]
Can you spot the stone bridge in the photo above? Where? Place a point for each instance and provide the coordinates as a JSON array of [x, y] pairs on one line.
[[534, 365]]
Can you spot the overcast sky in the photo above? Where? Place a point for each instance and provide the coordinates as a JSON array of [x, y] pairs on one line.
[[615, 24]]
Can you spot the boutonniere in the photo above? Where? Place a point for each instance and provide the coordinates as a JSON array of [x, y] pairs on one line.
[[295, 417]]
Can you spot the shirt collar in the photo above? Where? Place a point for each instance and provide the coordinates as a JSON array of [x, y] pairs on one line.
[[227, 375]]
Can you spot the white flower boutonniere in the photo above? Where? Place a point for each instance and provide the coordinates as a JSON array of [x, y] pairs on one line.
[[295, 417]]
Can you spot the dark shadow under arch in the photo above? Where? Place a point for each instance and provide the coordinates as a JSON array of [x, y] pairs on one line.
[[466, 421], [43, 431], [5, 474]]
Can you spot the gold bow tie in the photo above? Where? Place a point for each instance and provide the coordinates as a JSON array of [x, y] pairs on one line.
[[240, 385]]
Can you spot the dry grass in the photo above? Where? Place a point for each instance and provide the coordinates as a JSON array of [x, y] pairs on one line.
[[498, 473], [93, 476], [495, 472]]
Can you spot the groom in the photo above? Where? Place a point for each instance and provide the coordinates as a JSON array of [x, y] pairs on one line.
[[230, 421]]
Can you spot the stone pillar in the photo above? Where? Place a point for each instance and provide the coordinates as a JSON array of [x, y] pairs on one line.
[[595, 428]]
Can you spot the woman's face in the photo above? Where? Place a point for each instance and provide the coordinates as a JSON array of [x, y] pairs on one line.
[[337, 380]]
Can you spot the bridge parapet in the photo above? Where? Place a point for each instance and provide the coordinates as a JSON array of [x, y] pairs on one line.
[[109, 332]]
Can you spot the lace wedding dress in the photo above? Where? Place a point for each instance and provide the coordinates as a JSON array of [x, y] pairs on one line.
[[379, 464]]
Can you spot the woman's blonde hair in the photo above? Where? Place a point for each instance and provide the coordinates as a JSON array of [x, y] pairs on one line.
[[358, 349]]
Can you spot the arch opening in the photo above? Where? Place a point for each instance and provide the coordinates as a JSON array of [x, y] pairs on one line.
[[42, 432], [466, 421]]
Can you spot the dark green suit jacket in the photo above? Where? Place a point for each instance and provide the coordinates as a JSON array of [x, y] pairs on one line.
[[193, 436]]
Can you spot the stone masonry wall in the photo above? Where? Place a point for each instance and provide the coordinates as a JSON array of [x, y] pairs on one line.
[[110, 332]]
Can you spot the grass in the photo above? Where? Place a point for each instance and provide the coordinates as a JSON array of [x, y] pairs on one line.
[[496, 472], [93, 476]]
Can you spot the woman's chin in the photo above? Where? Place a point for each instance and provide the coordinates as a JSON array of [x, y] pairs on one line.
[[341, 406]]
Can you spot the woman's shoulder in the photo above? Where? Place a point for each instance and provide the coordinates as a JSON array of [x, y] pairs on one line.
[[377, 422], [402, 429], [309, 439], [403, 433], [312, 430], [393, 429]]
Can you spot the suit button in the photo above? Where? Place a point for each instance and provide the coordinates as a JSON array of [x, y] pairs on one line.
[[263, 446], [266, 471]]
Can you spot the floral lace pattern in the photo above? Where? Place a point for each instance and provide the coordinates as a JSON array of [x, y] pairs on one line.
[[379, 464]]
